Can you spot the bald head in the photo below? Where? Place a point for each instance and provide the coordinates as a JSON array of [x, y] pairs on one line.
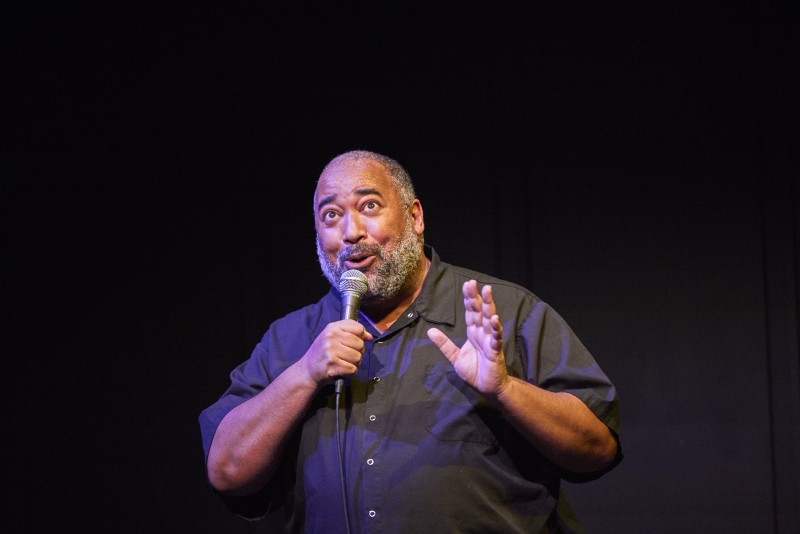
[[400, 178]]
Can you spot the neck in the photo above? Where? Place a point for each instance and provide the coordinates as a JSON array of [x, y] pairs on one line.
[[383, 314]]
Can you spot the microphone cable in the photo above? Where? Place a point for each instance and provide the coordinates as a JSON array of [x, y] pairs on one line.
[[341, 464], [352, 286]]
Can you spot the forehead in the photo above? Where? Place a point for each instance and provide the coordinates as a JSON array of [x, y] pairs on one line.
[[350, 178]]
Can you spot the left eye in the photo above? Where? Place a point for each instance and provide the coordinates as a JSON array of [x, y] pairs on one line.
[[370, 205]]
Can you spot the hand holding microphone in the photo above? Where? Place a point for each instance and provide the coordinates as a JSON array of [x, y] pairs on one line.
[[337, 350], [352, 286]]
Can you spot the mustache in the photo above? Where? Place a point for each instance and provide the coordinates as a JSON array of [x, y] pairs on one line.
[[358, 249]]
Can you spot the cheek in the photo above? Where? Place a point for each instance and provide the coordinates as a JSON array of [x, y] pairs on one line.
[[380, 232], [329, 239]]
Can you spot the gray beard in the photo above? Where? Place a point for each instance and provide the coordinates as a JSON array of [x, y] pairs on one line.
[[394, 267]]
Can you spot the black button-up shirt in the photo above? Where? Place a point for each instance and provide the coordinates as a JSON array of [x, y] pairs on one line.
[[423, 451]]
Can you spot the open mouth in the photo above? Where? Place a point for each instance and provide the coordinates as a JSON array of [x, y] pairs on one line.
[[358, 261]]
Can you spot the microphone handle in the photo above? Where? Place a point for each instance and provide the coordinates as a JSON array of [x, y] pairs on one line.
[[351, 302]]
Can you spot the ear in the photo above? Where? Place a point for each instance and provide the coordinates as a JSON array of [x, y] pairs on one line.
[[415, 212]]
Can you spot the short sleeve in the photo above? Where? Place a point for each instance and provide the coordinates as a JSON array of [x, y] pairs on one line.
[[284, 343], [247, 380], [556, 360]]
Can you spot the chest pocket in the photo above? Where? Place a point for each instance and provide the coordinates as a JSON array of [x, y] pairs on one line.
[[457, 412]]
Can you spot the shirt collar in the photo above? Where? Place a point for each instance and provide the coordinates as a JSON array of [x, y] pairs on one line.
[[436, 302]]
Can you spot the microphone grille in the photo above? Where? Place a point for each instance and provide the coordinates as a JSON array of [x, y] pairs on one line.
[[355, 281]]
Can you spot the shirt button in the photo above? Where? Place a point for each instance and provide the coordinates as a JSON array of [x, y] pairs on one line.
[[372, 417], [370, 461], [377, 379], [410, 315], [372, 513]]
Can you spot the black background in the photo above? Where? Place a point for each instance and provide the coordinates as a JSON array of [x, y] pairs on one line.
[[634, 165]]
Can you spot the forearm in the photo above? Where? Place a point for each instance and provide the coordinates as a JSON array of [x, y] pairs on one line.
[[559, 425], [250, 440]]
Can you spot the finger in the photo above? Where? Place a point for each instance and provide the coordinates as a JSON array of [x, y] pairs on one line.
[[497, 333], [472, 303], [444, 344], [349, 356], [354, 327], [351, 326], [489, 307], [344, 363], [352, 341], [343, 369], [472, 299]]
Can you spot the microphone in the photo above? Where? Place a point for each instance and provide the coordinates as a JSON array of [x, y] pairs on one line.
[[352, 286]]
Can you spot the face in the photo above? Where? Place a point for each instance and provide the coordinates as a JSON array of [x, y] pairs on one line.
[[362, 224]]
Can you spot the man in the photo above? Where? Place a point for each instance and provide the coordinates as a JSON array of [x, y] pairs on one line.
[[469, 399]]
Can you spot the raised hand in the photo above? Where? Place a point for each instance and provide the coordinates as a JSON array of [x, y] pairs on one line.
[[480, 361]]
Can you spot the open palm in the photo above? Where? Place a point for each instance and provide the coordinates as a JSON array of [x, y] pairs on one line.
[[480, 361]]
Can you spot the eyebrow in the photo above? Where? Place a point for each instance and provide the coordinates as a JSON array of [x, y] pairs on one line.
[[359, 192], [325, 200], [369, 191]]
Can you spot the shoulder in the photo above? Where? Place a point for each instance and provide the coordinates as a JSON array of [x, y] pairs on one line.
[[305, 322], [505, 293], [515, 303], [307, 317]]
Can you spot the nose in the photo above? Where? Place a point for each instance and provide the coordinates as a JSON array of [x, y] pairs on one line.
[[354, 230]]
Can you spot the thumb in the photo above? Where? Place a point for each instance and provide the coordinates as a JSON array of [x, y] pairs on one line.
[[443, 343]]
